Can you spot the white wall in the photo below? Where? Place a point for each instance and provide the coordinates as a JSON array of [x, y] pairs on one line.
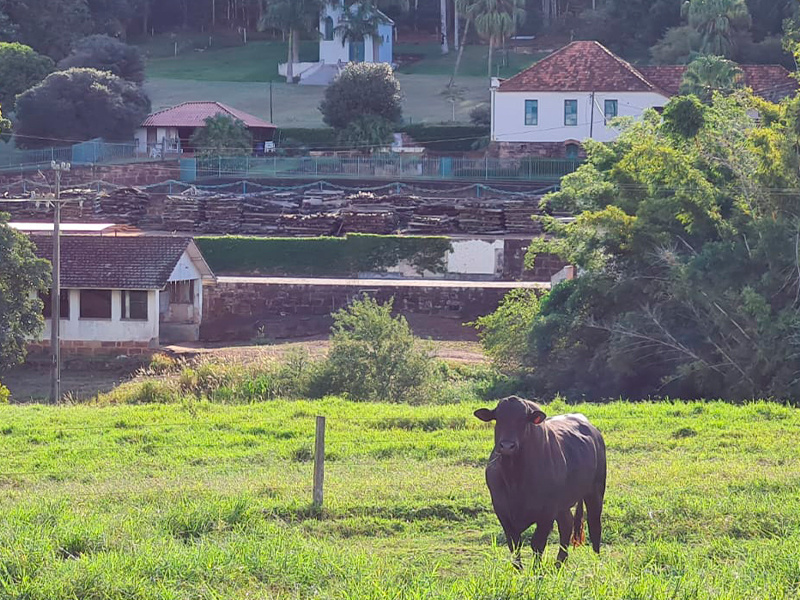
[[332, 51], [508, 115], [107, 330], [185, 271], [468, 257]]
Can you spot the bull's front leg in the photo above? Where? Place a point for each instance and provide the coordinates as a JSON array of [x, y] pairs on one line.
[[514, 541], [539, 540]]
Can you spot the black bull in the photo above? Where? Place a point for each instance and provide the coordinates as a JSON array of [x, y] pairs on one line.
[[539, 469]]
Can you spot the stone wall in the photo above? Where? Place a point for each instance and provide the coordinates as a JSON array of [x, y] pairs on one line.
[[93, 348], [133, 174], [532, 149], [242, 308]]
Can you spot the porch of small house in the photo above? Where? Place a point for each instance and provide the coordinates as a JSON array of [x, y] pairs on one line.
[[180, 311]]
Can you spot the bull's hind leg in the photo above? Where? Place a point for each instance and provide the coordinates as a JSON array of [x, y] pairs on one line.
[[539, 540], [565, 521], [594, 510]]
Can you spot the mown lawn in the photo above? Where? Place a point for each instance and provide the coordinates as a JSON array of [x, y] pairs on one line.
[[473, 64], [208, 501]]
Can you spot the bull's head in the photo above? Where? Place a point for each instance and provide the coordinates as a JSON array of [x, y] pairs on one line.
[[512, 416]]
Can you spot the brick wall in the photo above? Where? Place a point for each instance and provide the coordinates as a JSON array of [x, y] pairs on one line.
[[238, 309], [514, 269], [531, 149], [93, 348], [133, 174]]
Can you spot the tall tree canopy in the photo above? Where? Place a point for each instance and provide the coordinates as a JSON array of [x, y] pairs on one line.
[[362, 89], [20, 69], [717, 21], [77, 105], [105, 53], [687, 246], [22, 275]]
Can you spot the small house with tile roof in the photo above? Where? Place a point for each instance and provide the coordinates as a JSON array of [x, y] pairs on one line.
[[169, 130], [571, 95], [126, 294]]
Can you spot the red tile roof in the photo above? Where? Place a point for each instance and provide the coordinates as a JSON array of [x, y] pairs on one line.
[[194, 114], [591, 67], [580, 67], [120, 263], [771, 82]]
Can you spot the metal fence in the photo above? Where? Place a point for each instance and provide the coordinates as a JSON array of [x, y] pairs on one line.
[[394, 166], [90, 152]]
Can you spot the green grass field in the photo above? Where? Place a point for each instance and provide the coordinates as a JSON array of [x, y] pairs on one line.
[[473, 64], [195, 500]]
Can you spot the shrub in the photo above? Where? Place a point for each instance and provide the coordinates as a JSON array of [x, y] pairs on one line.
[[141, 392], [105, 53], [374, 356], [5, 394], [504, 333], [20, 69], [362, 89], [80, 104], [447, 138], [481, 115], [366, 131], [222, 135]]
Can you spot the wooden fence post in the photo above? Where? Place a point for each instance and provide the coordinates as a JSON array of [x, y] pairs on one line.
[[319, 461]]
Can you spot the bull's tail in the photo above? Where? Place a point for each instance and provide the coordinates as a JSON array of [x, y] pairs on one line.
[[578, 536]]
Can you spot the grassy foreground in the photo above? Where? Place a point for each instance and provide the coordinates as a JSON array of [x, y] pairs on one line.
[[196, 500]]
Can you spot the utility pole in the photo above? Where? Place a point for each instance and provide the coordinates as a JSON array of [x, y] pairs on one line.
[[55, 306], [271, 120]]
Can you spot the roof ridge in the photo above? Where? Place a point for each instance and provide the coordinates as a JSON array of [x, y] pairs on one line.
[[539, 62]]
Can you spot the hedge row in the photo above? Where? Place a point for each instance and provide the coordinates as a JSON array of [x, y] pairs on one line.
[[440, 138], [321, 256]]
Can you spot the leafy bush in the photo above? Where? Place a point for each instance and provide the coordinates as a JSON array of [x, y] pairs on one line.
[[80, 104], [222, 135], [141, 392], [374, 356], [106, 53], [366, 132], [362, 89], [504, 333], [322, 138], [5, 394], [322, 256], [481, 115], [20, 69]]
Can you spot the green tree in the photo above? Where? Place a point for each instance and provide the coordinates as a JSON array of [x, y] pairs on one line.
[[374, 355], [687, 252], [22, 275], [77, 105], [716, 21], [496, 21], [293, 17], [20, 69], [222, 135], [366, 132], [362, 89], [50, 26], [677, 46], [706, 75], [105, 53], [360, 21]]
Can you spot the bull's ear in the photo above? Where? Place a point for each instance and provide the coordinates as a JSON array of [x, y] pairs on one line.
[[537, 417], [484, 414]]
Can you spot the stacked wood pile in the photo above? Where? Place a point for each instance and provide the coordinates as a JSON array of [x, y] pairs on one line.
[[296, 213]]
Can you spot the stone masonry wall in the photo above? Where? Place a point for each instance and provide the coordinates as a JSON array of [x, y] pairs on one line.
[[93, 348], [238, 309], [133, 174]]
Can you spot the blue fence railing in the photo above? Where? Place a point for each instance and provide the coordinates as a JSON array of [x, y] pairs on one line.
[[91, 152], [393, 166]]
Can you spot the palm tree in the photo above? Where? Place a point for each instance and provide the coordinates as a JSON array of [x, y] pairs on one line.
[[708, 74], [359, 22], [292, 16], [716, 21], [496, 20], [443, 18], [465, 7]]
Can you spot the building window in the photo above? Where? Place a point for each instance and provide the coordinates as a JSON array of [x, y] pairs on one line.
[[47, 309], [134, 305], [531, 112], [610, 111], [95, 304], [328, 29], [570, 113], [181, 292], [571, 151]]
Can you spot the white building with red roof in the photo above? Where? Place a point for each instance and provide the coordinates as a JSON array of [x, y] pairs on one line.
[[571, 95], [169, 130]]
